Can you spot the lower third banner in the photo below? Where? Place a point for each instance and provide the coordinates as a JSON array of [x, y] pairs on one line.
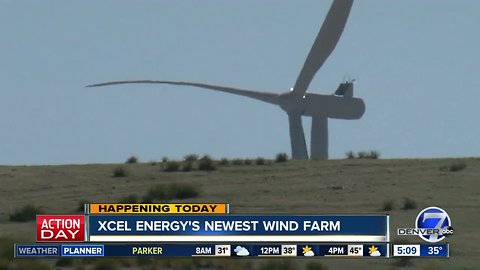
[[232, 228]]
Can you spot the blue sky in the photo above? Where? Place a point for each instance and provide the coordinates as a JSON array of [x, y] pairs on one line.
[[416, 64]]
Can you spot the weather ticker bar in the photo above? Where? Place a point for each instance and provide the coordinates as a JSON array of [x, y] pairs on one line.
[[207, 250]]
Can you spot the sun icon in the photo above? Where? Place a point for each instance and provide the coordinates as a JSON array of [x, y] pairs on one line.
[[306, 249], [372, 249]]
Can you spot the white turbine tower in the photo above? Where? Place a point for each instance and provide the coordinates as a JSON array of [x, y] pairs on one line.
[[297, 102]]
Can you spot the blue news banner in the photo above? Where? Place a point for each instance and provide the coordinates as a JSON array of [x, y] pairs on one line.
[[237, 228]]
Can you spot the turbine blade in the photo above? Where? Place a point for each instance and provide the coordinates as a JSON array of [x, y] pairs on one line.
[[324, 44], [263, 96], [297, 137], [319, 138]]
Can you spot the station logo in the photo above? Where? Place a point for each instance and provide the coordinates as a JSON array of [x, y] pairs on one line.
[[433, 224]]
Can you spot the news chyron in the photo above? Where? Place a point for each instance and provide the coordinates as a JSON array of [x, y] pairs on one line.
[[433, 224]]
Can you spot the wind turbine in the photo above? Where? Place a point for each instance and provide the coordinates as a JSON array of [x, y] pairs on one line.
[[298, 102]]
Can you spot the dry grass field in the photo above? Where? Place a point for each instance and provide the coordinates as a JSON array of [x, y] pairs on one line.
[[295, 187]]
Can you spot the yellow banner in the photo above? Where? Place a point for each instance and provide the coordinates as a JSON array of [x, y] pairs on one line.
[[155, 208]]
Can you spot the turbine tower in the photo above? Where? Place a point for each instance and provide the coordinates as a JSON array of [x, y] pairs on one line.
[[298, 102]]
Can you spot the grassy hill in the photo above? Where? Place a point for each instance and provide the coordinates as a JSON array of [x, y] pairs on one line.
[[295, 187]]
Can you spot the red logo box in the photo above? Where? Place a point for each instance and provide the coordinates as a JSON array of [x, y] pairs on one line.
[[60, 228]]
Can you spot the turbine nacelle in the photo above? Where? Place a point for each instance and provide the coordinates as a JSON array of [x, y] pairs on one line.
[[341, 105], [332, 106]]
